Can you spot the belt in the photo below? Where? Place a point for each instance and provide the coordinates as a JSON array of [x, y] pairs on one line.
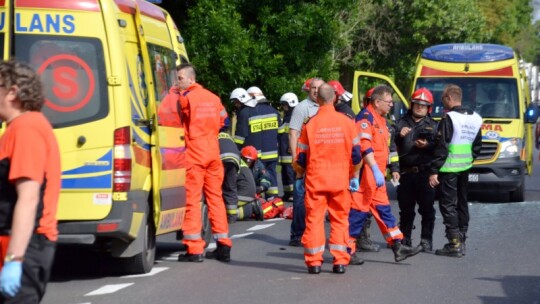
[[413, 169]]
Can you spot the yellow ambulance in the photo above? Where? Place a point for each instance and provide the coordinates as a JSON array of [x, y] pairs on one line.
[[495, 86], [106, 65]]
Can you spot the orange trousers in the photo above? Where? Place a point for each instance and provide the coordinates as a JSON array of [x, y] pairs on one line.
[[314, 238], [208, 178]]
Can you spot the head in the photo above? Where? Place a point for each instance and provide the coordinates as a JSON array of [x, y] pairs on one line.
[[314, 85], [421, 102], [288, 101], [341, 94], [326, 94], [451, 96], [20, 89], [240, 97], [367, 97], [186, 75], [381, 99], [249, 155]]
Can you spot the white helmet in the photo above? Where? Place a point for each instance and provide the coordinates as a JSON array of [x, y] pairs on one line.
[[240, 94], [256, 93], [290, 98]]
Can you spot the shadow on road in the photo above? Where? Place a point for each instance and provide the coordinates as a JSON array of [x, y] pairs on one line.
[[518, 289]]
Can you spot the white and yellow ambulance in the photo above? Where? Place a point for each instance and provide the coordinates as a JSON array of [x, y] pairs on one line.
[[106, 64]]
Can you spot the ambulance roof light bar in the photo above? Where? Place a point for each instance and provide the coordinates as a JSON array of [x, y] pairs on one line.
[[468, 52]]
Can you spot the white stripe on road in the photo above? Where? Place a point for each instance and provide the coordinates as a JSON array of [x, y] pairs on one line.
[[260, 227], [108, 289], [237, 236], [274, 219], [155, 270]]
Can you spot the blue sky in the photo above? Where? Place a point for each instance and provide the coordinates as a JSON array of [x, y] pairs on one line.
[[536, 14]]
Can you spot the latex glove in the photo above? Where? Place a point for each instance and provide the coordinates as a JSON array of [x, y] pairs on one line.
[[299, 185], [10, 278], [354, 184], [379, 177]]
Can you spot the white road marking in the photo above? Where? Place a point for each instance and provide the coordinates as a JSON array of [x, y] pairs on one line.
[[108, 289], [237, 236], [154, 271], [260, 227], [274, 219]]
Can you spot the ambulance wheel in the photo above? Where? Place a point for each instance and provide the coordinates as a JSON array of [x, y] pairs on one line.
[[206, 231], [519, 194], [144, 261]]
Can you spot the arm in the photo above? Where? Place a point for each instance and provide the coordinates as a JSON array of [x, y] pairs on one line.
[[28, 192], [302, 150], [242, 128], [477, 144]]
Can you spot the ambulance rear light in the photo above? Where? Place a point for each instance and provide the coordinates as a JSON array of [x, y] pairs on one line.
[[107, 227], [468, 52], [122, 160]]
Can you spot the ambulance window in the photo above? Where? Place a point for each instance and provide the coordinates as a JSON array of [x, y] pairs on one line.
[[73, 74], [163, 69]]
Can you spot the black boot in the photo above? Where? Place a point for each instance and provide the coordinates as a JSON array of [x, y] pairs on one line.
[[188, 257], [407, 241], [401, 252], [338, 268], [452, 249], [356, 260], [463, 238], [364, 242], [426, 245], [221, 253]]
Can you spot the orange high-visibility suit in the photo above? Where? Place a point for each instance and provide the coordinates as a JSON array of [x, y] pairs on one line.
[[374, 137], [326, 146], [203, 115]]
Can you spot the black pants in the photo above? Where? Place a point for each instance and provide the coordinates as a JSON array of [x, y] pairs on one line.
[[229, 187], [287, 178], [414, 189], [453, 202], [37, 265]]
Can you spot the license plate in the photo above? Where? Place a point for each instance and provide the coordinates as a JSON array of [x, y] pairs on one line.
[[473, 178]]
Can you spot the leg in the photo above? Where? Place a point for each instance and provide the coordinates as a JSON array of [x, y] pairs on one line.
[[287, 179], [339, 205], [272, 173], [230, 191], [462, 206], [192, 221], [298, 223], [314, 237], [406, 196], [426, 200], [216, 207], [448, 206]]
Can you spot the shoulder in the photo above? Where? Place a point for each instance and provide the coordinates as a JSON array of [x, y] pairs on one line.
[[365, 115]]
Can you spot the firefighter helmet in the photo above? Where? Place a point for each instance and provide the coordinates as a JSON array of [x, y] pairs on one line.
[[242, 95], [249, 152], [422, 96], [290, 98], [367, 97], [306, 85]]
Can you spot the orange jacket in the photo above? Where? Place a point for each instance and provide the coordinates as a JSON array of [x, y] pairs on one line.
[[374, 135], [203, 116], [326, 146], [168, 115]]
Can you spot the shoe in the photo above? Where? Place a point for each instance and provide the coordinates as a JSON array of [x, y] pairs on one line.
[[295, 243], [426, 245], [221, 253], [258, 210], [314, 269], [463, 237], [364, 242], [401, 252], [338, 268], [407, 241], [452, 249], [356, 260], [188, 257]]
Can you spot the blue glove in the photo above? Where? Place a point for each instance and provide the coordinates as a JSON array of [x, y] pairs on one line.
[[379, 177], [10, 278], [299, 185], [354, 184]]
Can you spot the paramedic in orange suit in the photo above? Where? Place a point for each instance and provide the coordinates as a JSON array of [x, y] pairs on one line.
[[374, 137], [203, 116], [328, 143]]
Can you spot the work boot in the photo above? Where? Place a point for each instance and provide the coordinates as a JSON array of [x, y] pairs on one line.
[[401, 252], [426, 245], [295, 243], [338, 268], [221, 253], [463, 237], [364, 242], [407, 241], [188, 257], [356, 260], [452, 249], [258, 210], [314, 269]]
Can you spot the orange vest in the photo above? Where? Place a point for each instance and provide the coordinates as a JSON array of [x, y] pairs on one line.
[[374, 135]]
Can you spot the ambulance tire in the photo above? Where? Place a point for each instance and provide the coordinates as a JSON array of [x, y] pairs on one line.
[[519, 194], [206, 231], [144, 261]]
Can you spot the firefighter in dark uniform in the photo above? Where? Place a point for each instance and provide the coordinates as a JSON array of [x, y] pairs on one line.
[[415, 141], [249, 206], [230, 157], [288, 101]]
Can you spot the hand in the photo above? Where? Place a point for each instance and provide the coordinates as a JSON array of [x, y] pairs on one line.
[[433, 180], [421, 143], [299, 185], [10, 278], [354, 184], [379, 177], [404, 131], [395, 176]]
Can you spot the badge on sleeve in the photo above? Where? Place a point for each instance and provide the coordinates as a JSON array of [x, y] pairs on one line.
[[364, 125]]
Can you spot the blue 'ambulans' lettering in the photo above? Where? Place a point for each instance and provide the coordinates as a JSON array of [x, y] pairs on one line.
[[42, 23]]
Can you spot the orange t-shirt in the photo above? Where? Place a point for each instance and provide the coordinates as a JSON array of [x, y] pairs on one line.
[[31, 148]]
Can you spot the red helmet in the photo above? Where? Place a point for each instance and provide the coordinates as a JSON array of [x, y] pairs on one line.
[[367, 97], [249, 152], [305, 86], [422, 96], [337, 87]]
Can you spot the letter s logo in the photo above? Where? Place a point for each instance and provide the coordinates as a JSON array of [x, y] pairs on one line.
[[67, 86]]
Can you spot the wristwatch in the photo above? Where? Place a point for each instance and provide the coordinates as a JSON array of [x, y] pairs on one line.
[[13, 258]]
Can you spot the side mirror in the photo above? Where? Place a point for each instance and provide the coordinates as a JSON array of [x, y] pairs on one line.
[[531, 116]]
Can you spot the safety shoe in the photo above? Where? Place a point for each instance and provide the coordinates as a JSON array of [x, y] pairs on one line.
[[258, 210], [295, 243], [338, 268], [407, 241], [401, 252], [221, 253], [314, 269], [426, 245], [188, 257], [356, 260], [364, 242], [451, 249]]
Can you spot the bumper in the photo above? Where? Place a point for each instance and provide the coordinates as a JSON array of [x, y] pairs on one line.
[[118, 224], [501, 175]]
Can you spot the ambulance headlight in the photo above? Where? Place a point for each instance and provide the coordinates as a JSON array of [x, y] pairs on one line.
[[511, 148]]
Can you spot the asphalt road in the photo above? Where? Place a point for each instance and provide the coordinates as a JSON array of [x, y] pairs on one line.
[[501, 266]]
